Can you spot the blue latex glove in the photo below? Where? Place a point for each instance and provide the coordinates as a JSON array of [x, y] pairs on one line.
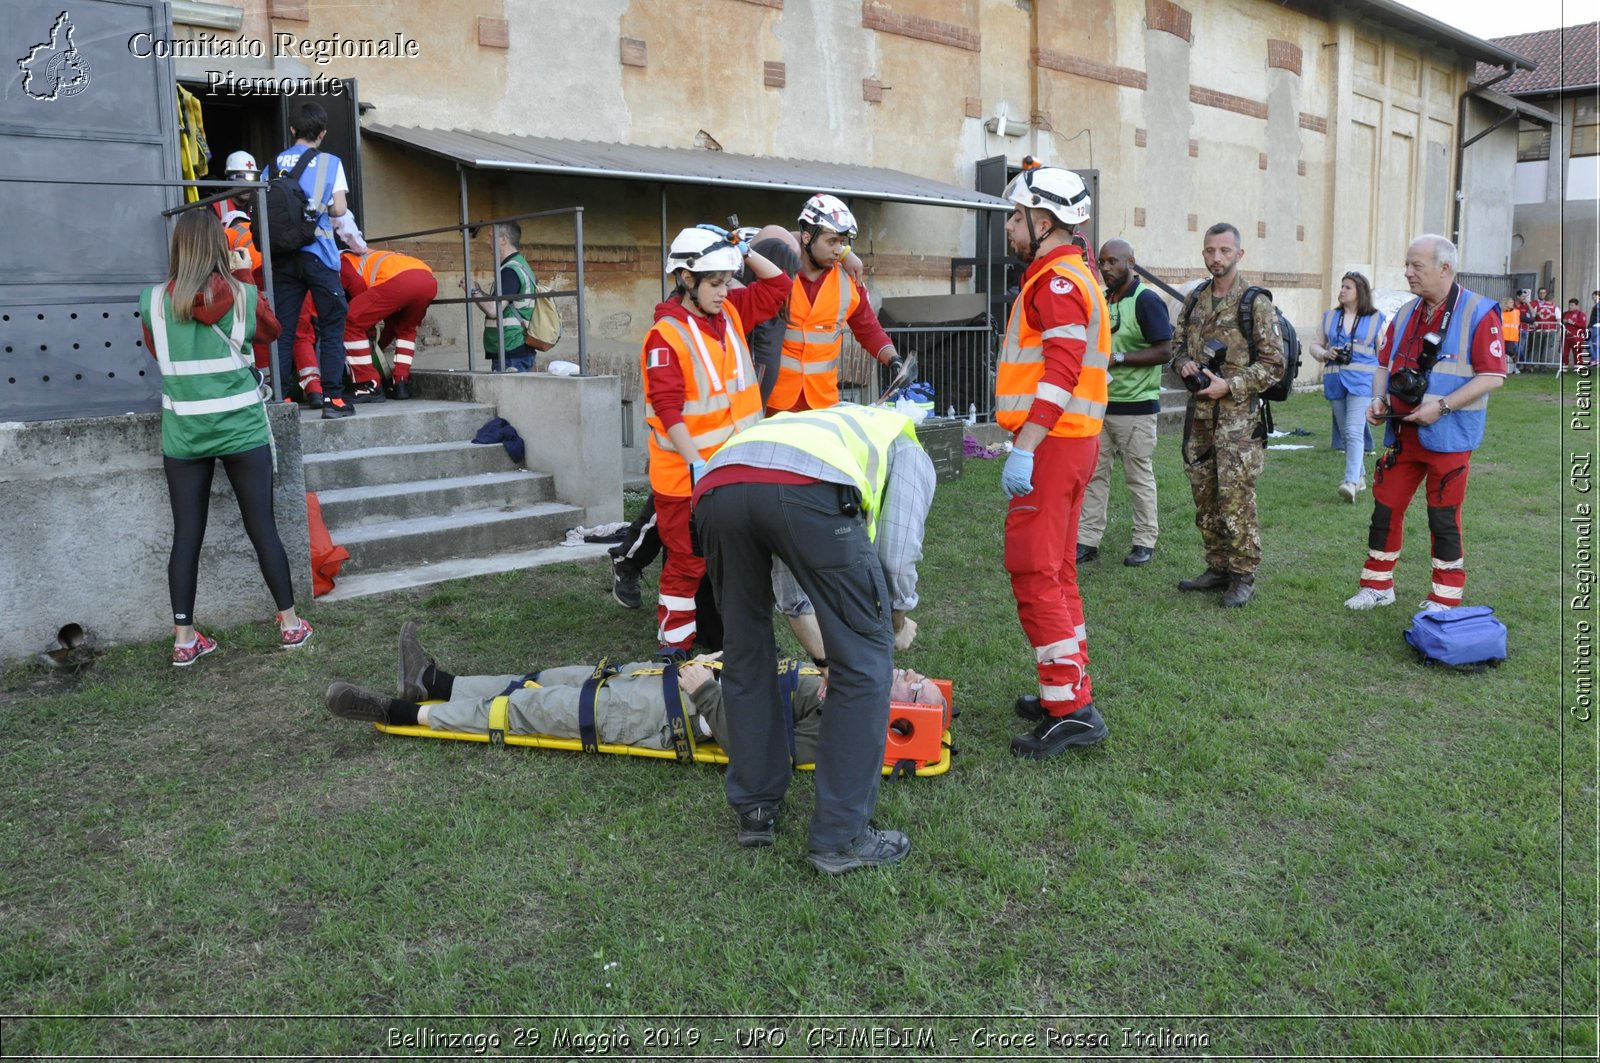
[[742, 245], [1017, 477], [697, 469]]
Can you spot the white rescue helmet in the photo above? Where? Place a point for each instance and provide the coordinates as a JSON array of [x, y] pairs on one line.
[[829, 212], [231, 216], [702, 251], [1051, 188], [241, 166]]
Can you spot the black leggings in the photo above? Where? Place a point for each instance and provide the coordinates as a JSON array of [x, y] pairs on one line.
[[189, 484]]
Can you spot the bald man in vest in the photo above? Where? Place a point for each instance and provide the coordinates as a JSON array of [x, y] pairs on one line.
[[1051, 393], [840, 496]]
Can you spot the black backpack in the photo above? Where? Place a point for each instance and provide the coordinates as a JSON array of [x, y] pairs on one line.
[[1284, 386], [288, 228]]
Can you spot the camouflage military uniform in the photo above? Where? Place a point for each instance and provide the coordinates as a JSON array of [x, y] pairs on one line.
[[1225, 448]]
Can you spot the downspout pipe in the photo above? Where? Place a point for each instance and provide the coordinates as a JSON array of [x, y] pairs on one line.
[[1463, 142]]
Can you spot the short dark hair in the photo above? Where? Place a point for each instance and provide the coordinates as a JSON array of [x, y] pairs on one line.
[[309, 122], [1223, 227]]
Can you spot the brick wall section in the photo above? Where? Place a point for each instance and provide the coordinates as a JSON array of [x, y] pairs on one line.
[[1227, 101], [493, 32], [973, 106], [294, 10], [774, 75], [1090, 68], [1261, 162], [1300, 167], [1300, 233], [767, 3], [546, 259], [1138, 217], [1194, 223], [634, 52], [1315, 123], [872, 90], [1041, 121], [1194, 148], [1168, 17], [1140, 138], [877, 16], [1261, 230], [1277, 282], [1281, 55]]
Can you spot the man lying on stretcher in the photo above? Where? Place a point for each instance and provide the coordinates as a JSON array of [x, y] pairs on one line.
[[629, 709]]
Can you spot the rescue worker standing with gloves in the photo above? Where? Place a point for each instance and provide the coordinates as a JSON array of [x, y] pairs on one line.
[[1224, 438], [841, 496], [1050, 393], [699, 389], [823, 300]]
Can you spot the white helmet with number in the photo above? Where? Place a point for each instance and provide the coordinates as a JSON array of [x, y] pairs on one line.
[[702, 251], [1061, 192], [829, 212], [241, 166]]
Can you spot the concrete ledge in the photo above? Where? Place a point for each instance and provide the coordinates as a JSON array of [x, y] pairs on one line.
[[86, 531], [572, 426]]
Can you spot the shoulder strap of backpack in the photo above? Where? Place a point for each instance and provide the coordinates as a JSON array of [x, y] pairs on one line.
[[1247, 318], [302, 162], [1189, 302]]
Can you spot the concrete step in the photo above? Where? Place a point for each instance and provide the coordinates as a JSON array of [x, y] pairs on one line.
[[468, 533], [370, 503], [389, 423], [361, 584], [408, 462]]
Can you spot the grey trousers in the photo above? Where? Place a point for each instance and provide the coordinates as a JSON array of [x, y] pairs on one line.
[[741, 528], [629, 710]]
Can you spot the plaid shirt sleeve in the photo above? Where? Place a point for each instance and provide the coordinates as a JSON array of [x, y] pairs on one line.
[[906, 500]]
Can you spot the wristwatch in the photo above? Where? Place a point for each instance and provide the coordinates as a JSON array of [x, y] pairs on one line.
[[1118, 357], [1444, 408]]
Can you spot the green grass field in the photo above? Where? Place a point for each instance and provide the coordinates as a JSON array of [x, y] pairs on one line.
[[1297, 841]]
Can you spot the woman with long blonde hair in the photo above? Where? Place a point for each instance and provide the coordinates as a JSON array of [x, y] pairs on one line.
[[198, 327]]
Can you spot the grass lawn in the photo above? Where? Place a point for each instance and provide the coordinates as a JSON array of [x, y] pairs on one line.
[[1296, 841]]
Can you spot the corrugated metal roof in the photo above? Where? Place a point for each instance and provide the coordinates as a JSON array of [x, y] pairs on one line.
[[483, 150]]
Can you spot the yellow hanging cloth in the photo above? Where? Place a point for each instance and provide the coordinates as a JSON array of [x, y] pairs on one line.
[[194, 155]]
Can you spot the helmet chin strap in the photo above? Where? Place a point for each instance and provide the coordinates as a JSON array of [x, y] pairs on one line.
[[806, 245], [1035, 238], [691, 292]]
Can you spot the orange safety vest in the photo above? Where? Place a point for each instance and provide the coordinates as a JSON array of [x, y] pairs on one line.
[[721, 395], [239, 235], [1511, 324], [812, 339], [1020, 374], [376, 267]]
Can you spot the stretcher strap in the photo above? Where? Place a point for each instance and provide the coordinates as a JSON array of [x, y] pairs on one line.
[[788, 679], [500, 708], [682, 743], [591, 689]]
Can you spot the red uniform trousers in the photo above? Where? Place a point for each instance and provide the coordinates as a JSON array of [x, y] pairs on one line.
[[399, 302], [1392, 489], [681, 574], [263, 351], [1041, 555], [307, 366]]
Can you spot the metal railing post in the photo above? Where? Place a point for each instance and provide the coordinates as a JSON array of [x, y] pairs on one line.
[[466, 262], [583, 333]]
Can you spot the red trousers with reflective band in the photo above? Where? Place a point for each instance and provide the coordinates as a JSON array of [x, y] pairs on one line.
[[1392, 490], [399, 302], [680, 575], [307, 365], [1041, 556]]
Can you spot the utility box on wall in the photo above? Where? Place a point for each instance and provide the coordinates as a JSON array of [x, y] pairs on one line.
[[82, 101]]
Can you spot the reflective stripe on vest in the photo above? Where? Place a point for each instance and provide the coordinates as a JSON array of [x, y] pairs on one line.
[[721, 396], [205, 377], [1511, 324], [1019, 376], [1462, 428], [812, 339], [853, 439], [376, 267], [239, 235]]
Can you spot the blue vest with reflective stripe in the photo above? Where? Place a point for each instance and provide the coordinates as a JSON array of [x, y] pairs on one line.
[[1461, 429], [1355, 378]]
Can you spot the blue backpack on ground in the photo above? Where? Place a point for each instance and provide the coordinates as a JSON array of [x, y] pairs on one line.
[[1467, 637]]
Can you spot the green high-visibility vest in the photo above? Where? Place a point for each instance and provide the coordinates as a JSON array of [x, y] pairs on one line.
[[1131, 383], [852, 439], [517, 314], [210, 404]]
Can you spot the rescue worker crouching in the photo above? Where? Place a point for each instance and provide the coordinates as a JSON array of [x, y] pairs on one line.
[[700, 388]]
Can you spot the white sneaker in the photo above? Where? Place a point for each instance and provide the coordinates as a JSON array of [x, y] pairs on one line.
[[1369, 598], [1427, 605], [1348, 491]]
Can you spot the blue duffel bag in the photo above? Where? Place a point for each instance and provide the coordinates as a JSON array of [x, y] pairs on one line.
[[1466, 637]]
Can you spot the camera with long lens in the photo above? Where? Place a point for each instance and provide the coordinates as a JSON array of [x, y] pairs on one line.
[[1216, 355], [1409, 385], [1342, 355]]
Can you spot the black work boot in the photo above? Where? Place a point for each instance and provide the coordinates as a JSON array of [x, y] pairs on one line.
[[1211, 579], [759, 826], [1241, 588], [1028, 708], [1056, 733]]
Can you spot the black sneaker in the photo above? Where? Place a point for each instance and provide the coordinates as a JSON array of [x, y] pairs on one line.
[[1139, 555], [759, 826], [311, 400], [1055, 733], [332, 408], [1087, 553], [625, 584], [371, 391], [872, 849], [354, 703], [414, 663]]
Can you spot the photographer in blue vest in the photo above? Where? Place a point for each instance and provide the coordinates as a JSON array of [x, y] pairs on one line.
[[1440, 359], [1347, 347]]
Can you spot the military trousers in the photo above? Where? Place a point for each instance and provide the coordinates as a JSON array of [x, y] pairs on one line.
[[1223, 458]]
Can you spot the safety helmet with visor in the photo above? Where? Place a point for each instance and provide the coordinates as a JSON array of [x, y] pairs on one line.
[[241, 166], [1053, 189], [829, 212], [702, 251]]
